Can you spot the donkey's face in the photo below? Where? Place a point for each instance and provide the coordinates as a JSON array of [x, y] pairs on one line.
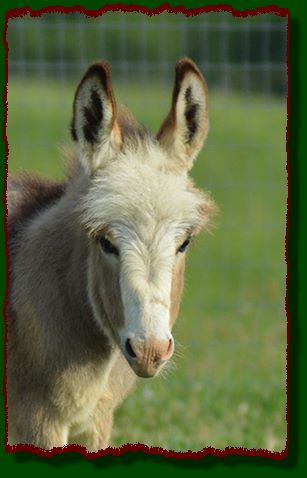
[[140, 211]]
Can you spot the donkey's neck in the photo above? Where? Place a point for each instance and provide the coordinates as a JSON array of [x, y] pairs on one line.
[[64, 258]]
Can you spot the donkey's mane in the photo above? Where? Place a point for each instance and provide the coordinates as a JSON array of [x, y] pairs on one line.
[[28, 195], [130, 128]]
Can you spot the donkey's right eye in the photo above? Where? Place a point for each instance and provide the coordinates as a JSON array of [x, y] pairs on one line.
[[184, 245], [107, 246]]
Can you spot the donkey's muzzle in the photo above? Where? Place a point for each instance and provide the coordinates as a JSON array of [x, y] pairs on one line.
[[146, 357]]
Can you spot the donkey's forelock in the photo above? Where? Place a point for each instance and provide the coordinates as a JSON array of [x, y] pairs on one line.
[[139, 192]]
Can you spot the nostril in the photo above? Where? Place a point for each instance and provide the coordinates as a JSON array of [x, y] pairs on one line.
[[169, 351], [129, 349]]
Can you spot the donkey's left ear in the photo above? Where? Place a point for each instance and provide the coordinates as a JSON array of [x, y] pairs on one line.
[[94, 127], [184, 130]]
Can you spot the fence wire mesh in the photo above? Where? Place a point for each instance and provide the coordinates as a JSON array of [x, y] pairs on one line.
[[241, 53]]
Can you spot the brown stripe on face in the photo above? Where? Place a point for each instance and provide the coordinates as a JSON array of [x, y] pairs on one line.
[[105, 290], [177, 288]]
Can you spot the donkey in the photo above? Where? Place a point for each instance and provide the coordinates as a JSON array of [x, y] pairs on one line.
[[96, 263]]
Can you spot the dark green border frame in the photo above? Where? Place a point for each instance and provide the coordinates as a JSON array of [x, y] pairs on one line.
[[137, 462]]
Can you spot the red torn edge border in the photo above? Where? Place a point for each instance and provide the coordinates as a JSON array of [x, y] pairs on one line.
[[239, 451]]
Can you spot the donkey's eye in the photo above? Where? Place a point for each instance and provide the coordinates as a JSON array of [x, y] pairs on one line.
[[107, 246], [184, 245]]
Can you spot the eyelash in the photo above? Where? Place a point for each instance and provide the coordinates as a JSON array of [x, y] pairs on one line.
[[107, 246], [184, 245]]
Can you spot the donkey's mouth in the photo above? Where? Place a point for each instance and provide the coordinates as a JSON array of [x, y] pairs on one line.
[[146, 371], [146, 358]]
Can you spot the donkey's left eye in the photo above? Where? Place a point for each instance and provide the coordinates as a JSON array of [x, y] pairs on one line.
[[184, 245], [107, 246]]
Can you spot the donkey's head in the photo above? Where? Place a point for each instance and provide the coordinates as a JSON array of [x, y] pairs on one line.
[[140, 211]]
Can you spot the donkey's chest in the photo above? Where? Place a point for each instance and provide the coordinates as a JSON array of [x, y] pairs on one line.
[[78, 392], [86, 405]]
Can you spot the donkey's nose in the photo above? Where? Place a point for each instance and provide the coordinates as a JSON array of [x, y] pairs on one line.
[[146, 356], [159, 351]]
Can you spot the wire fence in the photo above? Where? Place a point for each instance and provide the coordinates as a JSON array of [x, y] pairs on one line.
[[236, 53]]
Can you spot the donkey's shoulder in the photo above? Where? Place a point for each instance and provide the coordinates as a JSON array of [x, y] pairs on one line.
[[28, 195]]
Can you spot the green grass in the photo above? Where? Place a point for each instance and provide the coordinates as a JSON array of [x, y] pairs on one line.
[[226, 386]]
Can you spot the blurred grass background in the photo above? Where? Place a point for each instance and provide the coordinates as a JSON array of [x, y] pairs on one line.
[[227, 384]]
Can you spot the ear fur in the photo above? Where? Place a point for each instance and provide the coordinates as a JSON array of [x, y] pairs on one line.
[[185, 128], [94, 127]]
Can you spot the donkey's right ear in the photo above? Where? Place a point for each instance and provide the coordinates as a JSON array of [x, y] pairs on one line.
[[94, 127], [185, 128]]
